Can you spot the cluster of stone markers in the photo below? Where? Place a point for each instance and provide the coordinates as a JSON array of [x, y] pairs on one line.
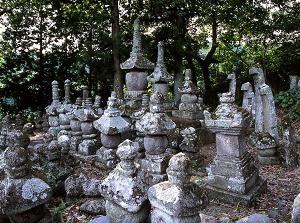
[[130, 142]]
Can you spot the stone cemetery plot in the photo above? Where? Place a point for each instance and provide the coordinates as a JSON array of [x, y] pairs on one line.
[[137, 162]]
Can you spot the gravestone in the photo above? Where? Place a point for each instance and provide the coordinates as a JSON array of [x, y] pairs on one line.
[[156, 125]]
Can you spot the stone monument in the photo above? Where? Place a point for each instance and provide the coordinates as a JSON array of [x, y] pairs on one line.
[[156, 125], [232, 176], [137, 66]]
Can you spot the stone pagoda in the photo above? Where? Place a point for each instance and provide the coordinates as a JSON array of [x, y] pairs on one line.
[[232, 177], [124, 189], [52, 110], [137, 66], [156, 125], [23, 196], [111, 125], [178, 199], [189, 107]]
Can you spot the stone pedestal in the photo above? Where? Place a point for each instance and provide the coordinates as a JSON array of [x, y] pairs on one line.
[[176, 200], [232, 177], [125, 190], [111, 125]]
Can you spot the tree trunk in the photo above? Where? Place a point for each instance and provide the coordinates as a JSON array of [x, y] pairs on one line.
[[118, 78]]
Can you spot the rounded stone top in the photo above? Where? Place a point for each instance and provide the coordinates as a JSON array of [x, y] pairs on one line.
[[127, 150], [15, 157], [180, 163], [54, 83], [246, 86], [67, 82]]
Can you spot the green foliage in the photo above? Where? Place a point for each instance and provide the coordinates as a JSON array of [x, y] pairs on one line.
[[57, 212], [290, 102]]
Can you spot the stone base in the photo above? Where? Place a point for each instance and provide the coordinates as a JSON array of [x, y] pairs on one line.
[[159, 216], [117, 214], [233, 198]]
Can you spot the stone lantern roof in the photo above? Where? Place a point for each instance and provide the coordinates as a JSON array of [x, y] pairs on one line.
[[111, 122]]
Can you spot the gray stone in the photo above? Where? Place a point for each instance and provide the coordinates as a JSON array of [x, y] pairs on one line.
[[232, 176], [125, 191], [296, 210], [248, 98], [290, 147], [178, 199], [255, 218], [20, 191], [93, 206], [112, 126], [232, 84], [294, 81], [190, 107], [102, 219], [188, 143]]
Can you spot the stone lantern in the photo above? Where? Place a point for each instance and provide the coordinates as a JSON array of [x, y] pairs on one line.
[[137, 66], [232, 176], [156, 125], [124, 189], [111, 125]]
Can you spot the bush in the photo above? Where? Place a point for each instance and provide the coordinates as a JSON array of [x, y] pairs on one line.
[[290, 102]]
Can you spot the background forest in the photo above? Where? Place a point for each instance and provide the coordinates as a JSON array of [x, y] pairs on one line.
[[85, 41]]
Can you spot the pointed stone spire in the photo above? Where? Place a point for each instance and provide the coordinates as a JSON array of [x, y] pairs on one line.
[[137, 60], [160, 73]]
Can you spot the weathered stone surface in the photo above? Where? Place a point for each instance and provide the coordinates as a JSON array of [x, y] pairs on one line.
[[124, 189], [232, 176], [137, 60], [102, 219], [93, 206], [255, 218], [20, 192], [248, 98], [176, 200], [296, 210], [290, 148], [294, 81], [189, 140]]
